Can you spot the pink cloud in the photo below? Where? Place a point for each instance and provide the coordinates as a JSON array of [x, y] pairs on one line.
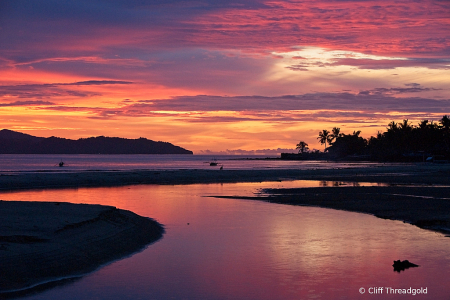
[[52, 90], [366, 105], [379, 27], [27, 103], [167, 51], [392, 64]]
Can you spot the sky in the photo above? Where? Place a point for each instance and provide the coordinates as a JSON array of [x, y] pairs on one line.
[[211, 76]]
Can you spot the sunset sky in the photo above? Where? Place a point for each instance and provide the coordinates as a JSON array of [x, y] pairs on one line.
[[221, 75]]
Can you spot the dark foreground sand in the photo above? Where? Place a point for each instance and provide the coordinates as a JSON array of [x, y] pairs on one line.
[[45, 241]]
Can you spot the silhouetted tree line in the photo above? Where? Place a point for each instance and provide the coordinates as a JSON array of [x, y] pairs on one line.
[[401, 142]]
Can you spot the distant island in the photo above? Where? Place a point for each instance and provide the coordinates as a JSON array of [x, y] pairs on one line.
[[13, 142]]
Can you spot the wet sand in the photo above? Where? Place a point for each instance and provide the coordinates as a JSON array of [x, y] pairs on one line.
[[408, 173], [42, 242], [426, 207], [416, 194]]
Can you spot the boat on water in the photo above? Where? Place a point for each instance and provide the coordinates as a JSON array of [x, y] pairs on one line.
[[213, 163], [61, 163]]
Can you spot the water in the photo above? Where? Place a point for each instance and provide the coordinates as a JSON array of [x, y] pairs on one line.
[[242, 249], [87, 162]]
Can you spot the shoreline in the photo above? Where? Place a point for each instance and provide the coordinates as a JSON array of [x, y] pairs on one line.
[[420, 173], [45, 242], [427, 207]]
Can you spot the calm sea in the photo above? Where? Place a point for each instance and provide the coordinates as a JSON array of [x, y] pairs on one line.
[[84, 162]]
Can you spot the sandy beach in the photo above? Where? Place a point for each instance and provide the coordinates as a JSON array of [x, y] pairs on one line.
[[41, 242]]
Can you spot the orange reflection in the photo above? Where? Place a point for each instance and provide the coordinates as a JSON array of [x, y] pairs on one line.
[[240, 249]]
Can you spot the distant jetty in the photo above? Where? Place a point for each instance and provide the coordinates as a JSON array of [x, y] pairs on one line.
[[13, 142], [304, 156]]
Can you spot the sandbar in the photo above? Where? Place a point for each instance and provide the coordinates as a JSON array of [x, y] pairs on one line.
[[417, 194], [42, 242], [422, 173]]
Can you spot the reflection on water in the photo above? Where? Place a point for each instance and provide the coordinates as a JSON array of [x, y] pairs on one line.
[[239, 249], [344, 183]]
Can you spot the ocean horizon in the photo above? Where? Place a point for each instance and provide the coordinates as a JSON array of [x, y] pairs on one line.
[[131, 162]]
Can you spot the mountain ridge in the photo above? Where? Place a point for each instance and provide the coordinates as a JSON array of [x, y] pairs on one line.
[[14, 142]]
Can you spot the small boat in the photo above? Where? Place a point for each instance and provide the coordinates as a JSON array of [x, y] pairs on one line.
[[213, 163], [61, 163]]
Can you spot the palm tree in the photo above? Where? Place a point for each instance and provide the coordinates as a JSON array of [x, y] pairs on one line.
[[445, 121], [424, 124], [335, 133], [392, 127], [445, 125], [302, 146], [324, 137], [405, 126]]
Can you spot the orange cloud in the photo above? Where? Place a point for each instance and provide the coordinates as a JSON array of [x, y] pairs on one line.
[[262, 74]]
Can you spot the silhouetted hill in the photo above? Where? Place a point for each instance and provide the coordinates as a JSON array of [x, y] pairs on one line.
[[14, 135], [12, 142]]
